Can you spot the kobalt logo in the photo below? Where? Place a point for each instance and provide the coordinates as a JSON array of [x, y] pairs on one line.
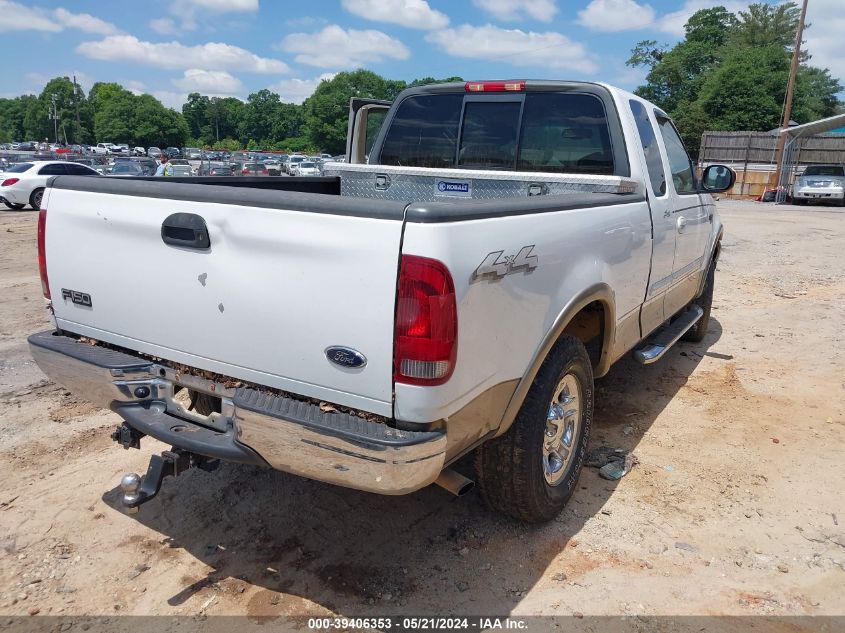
[[458, 187]]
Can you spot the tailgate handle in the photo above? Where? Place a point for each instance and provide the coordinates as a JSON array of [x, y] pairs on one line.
[[187, 230]]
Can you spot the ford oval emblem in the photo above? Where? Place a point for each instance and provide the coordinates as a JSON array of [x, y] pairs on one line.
[[345, 357]]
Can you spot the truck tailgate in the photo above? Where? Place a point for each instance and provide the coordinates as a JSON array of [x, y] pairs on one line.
[[286, 276]]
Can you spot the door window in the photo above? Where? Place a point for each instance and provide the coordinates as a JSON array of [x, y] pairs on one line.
[[52, 170], [679, 162], [654, 162], [80, 170]]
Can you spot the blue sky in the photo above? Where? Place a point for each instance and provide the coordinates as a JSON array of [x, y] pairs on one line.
[[234, 47]]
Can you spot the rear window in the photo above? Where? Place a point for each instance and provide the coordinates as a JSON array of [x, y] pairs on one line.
[[19, 168], [538, 131], [824, 170], [306, 165]]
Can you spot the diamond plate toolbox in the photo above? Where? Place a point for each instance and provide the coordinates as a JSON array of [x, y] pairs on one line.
[[428, 184]]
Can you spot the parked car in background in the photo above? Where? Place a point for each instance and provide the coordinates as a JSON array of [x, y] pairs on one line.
[[181, 170], [292, 160], [192, 153], [128, 165], [306, 168], [154, 152], [28, 146], [103, 148], [24, 183], [820, 183], [174, 152], [326, 156], [274, 167], [139, 151], [254, 169], [128, 168], [215, 169]]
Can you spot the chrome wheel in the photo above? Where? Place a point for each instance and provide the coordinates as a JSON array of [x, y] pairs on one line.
[[563, 426], [36, 199]]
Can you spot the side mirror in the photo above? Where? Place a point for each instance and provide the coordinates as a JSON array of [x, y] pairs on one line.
[[717, 178]]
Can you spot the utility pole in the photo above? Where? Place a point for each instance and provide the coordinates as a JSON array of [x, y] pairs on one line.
[[55, 113], [790, 91], [76, 105]]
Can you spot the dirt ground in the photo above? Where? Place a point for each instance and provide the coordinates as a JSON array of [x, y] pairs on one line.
[[737, 505]]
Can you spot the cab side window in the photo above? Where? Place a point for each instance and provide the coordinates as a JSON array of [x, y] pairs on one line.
[[648, 138], [679, 163]]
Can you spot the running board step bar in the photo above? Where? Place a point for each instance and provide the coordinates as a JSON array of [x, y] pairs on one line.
[[665, 338]]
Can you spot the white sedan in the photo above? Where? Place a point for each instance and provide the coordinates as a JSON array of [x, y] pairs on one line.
[[24, 183], [306, 168]]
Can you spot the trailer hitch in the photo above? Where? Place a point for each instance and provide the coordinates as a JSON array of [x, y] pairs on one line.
[[138, 490]]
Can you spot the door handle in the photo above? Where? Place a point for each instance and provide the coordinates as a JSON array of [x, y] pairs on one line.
[[682, 223], [187, 230]]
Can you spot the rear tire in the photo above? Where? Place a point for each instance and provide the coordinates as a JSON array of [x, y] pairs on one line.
[[698, 331], [35, 198], [531, 471], [14, 206]]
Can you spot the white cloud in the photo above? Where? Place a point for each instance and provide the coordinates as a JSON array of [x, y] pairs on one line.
[[616, 15], [208, 81], [210, 56], [673, 23], [415, 14], [298, 90], [220, 6], [173, 100], [188, 11], [84, 22], [18, 17], [334, 47], [824, 37], [505, 10], [512, 46], [164, 26], [134, 86]]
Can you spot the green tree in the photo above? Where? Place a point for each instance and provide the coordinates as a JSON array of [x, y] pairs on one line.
[[223, 116], [730, 72], [195, 111], [327, 110], [259, 115]]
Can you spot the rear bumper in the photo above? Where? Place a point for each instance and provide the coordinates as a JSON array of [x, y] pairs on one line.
[[819, 193], [253, 427]]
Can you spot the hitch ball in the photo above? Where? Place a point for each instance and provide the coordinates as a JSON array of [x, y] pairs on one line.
[[130, 483]]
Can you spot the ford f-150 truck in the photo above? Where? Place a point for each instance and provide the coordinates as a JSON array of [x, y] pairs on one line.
[[502, 246]]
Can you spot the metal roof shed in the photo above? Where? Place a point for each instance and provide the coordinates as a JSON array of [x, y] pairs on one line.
[[793, 134]]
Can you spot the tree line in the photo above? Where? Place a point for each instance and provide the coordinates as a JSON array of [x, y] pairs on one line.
[[730, 73], [110, 113]]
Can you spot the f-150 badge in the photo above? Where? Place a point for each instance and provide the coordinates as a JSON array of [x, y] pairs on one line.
[[497, 264]]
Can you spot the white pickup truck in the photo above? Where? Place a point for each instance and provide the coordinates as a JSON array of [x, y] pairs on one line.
[[504, 245]]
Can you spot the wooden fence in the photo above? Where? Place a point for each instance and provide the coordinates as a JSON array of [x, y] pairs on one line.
[[752, 156]]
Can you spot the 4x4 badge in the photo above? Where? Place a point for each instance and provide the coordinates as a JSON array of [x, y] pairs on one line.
[[497, 264]]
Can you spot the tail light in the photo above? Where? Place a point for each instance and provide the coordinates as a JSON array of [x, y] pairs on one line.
[[9, 181], [245, 172], [425, 342], [42, 252], [265, 172], [495, 86]]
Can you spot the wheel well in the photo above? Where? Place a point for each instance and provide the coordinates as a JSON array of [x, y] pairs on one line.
[[588, 326]]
